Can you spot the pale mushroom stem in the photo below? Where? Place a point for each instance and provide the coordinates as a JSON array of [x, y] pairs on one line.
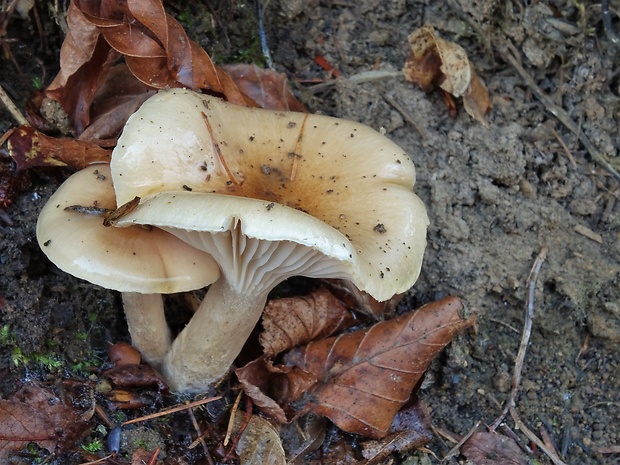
[[147, 324], [206, 348]]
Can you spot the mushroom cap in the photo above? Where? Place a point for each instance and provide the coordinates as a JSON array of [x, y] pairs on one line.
[[223, 168], [133, 259]]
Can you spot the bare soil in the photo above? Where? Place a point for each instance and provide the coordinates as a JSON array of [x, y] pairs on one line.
[[495, 197]]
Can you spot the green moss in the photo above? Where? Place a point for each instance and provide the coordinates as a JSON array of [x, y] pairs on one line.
[[93, 446]]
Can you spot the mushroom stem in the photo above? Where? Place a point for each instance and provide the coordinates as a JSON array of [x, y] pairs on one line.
[[206, 348], [147, 324]]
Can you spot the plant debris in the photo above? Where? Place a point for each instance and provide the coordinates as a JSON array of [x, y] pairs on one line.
[[359, 380], [436, 62], [35, 414]]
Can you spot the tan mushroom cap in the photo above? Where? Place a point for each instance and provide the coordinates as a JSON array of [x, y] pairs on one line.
[[264, 170], [132, 259]]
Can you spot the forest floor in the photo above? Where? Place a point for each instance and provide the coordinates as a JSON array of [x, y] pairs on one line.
[[495, 195]]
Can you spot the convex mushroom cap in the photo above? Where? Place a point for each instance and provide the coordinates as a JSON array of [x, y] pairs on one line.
[[269, 195], [140, 262]]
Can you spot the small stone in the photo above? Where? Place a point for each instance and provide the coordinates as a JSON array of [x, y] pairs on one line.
[[502, 381], [583, 207]]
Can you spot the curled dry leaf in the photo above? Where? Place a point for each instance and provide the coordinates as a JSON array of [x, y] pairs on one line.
[[410, 430], [436, 62], [362, 301], [295, 321], [156, 49], [493, 449], [270, 387], [364, 377], [268, 88], [29, 147], [259, 442], [34, 414], [135, 377], [303, 436]]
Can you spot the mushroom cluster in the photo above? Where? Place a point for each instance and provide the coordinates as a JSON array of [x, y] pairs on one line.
[[249, 197]]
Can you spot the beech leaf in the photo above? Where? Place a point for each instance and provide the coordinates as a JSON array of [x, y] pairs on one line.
[[34, 414], [362, 301], [270, 387], [364, 377], [295, 321], [410, 430], [268, 88]]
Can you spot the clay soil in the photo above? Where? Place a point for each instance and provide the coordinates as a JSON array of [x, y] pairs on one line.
[[496, 195]]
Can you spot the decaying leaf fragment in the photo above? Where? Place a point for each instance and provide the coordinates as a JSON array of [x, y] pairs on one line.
[[268, 88], [434, 62], [34, 414], [493, 449], [295, 321], [410, 430], [29, 147], [259, 442]]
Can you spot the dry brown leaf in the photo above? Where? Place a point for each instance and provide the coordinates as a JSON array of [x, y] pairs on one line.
[[117, 98], [259, 442], [29, 147], [34, 414], [410, 430], [364, 377], [84, 58], [476, 101], [493, 449], [156, 48], [135, 377], [363, 302], [295, 321], [270, 387], [268, 88], [434, 62], [303, 436], [20, 424]]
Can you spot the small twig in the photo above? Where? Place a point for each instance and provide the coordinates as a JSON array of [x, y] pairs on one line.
[[508, 431], [583, 349], [567, 151], [455, 450], [398, 107], [101, 460], [262, 35], [180, 408], [15, 113], [525, 337], [609, 30], [552, 108], [360, 78], [231, 422], [500, 322], [199, 433], [297, 151], [532, 437]]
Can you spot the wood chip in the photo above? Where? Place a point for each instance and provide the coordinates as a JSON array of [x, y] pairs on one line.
[[587, 232]]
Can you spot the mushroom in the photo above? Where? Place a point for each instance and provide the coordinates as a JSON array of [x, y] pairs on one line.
[[268, 195], [142, 263]]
